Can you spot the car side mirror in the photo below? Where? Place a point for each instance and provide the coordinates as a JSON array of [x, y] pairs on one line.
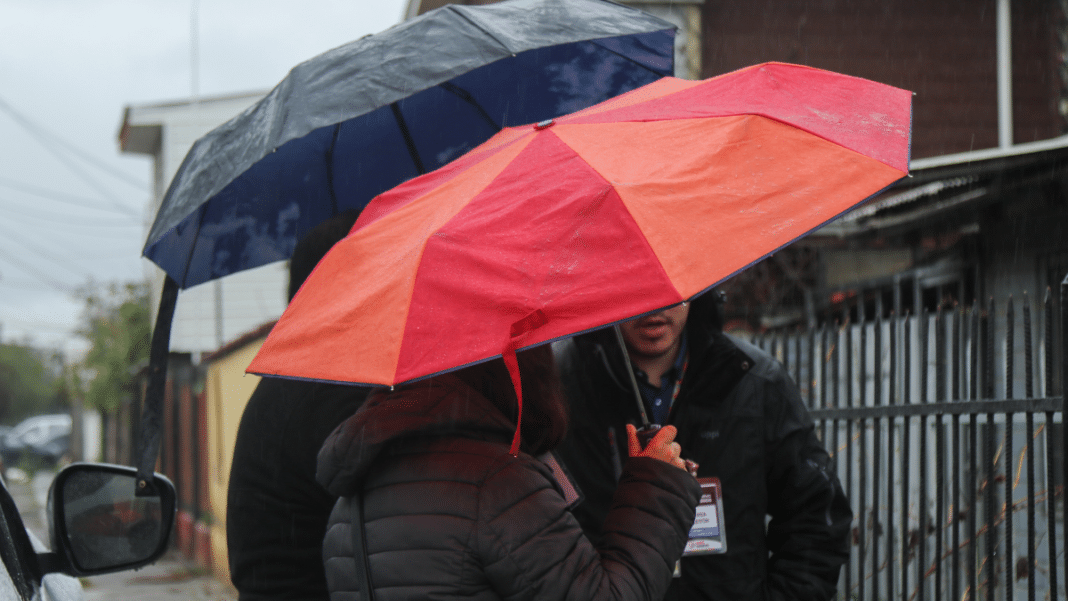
[[101, 522]]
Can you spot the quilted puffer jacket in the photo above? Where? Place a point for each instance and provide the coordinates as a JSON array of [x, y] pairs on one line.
[[450, 514]]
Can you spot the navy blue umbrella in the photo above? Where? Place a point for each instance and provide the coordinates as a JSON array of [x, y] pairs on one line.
[[362, 118]]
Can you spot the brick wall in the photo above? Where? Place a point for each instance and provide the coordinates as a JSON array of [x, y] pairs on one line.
[[944, 50]]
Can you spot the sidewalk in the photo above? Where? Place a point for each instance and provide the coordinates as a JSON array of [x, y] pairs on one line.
[[170, 578]]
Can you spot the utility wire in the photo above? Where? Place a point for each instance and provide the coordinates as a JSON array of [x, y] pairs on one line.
[[71, 148], [70, 256], [39, 325], [37, 273], [24, 284], [84, 225], [43, 252], [49, 144], [78, 201]]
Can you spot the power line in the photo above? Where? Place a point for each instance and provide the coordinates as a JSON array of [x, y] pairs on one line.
[[84, 223], [23, 284], [40, 325], [48, 142], [37, 273], [71, 199], [71, 148], [43, 252]]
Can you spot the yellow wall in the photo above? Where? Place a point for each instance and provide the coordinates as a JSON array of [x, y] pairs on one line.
[[228, 389]]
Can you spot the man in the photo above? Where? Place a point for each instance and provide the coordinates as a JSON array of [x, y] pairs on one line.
[[740, 417], [276, 512]]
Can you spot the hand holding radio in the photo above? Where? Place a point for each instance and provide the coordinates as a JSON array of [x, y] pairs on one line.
[[662, 446]]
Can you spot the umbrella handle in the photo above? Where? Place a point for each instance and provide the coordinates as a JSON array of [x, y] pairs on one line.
[[148, 439], [633, 380]]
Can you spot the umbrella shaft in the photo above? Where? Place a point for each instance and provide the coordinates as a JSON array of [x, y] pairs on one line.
[[630, 373]]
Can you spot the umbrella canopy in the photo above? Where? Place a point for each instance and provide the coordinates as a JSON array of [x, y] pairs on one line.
[[359, 119], [545, 231]]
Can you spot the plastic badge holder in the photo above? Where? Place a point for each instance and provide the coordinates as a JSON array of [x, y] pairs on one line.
[[707, 534]]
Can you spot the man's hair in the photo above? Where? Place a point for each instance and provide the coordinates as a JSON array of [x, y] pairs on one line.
[[314, 246], [545, 417]]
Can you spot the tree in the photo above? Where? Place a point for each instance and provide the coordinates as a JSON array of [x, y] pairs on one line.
[[30, 382], [117, 324]]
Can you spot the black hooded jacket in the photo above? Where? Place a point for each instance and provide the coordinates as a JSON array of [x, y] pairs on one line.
[[275, 511], [450, 514], [740, 416]]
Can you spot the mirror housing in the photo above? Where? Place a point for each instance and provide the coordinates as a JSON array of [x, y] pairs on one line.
[[101, 522]]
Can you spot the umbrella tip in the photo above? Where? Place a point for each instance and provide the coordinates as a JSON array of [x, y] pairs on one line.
[[544, 124]]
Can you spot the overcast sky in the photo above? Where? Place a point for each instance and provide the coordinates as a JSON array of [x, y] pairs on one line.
[[73, 207]]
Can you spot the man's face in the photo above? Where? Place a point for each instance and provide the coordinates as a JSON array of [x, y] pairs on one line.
[[657, 334]]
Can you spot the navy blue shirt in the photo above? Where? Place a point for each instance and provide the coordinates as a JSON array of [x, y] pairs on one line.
[[658, 400]]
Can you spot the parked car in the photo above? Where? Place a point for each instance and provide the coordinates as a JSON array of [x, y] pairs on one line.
[[44, 436], [99, 522]]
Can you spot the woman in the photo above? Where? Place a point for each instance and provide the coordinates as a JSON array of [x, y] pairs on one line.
[[449, 513]]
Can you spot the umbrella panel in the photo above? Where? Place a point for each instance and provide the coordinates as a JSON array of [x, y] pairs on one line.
[[585, 222], [258, 217]]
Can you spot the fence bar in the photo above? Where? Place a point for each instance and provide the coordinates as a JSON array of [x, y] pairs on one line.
[[1007, 509], [877, 387], [906, 447], [988, 458], [848, 359], [954, 320], [1029, 392], [798, 361], [825, 356], [780, 349], [834, 358], [979, 348], [862, 369], [890, 421], [958, 338], [1051, 506], [1064, 427], [922, 335], [812, 370], [940, 452]]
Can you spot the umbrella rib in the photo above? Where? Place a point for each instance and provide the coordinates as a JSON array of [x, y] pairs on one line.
[[455, 10], [469, 99], [408, 141], [196, 236]]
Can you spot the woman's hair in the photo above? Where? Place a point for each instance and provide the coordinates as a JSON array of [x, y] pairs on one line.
[[545, 416]]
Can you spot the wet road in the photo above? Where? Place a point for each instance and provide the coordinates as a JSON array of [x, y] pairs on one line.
[[169, 579]]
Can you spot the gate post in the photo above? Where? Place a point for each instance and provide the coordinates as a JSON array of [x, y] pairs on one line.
[[1064, 424]]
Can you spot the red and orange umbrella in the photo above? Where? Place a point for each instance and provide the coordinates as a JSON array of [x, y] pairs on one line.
[[549, 230]]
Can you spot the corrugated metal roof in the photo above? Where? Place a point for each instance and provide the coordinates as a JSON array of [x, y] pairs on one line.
[[942, 184]]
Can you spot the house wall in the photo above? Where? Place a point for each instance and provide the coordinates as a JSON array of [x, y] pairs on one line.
[[1024, 242], [227, 390], [944, 51], [208, 315]]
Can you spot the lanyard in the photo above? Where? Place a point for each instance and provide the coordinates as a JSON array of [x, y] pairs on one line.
[[678, 385]]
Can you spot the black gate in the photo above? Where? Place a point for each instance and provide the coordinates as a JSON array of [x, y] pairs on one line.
[[947, 429]]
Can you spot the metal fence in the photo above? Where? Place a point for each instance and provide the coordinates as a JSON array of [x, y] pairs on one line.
[[947, 433]]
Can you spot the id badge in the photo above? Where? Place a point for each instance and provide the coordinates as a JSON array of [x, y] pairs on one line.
[[707, 534]]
